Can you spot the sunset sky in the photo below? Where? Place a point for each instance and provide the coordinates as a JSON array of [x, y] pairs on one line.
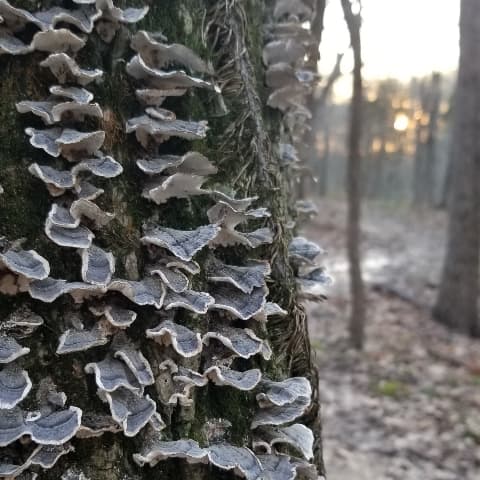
[[401, 39]]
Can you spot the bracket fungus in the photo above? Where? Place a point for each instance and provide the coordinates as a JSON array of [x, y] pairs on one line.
[[302, 250], [98, 266], [173, 279], [224, 376], [241, 460], [156, 450], [148, 291], [242, 305], [245, 278], [65, 68], [130, 410], [112, 374], [313, 284], [297, 436], [134, 359], [184, 341], [10, 349], [197, 302], [53, 428], [15, 384], [241, 341], [117, 316], [184, 244], [80, 340], [27, 263]]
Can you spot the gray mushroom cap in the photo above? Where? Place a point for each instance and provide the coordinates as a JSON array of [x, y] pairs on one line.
[[11, 45], [54, 428], [156, 97], [15, 18], [276, 415], [239, 459], [278, 467], [159, 55], [148, 291], [288, 8], [270, 309], [98, 266], [86, 208], [184, 244], [314, 284], [21, 323], [284, 392], [134, 359], [173, 279], [297, 436], [82, 18], [76, 94], [81, 340], [112, 374], [155, 450], [245, 278], [47, 290], [57, 181], [130, 410], [78, 237], [178, 185], [302, 250], [183, 340], [189, 266], [10, 349], [224, 376], [192, 162], [241, 305], [64, 67], [197, 302], [242, 341], [55, 41], [15, 384], [117, 316], [160, 79], [25, 262]]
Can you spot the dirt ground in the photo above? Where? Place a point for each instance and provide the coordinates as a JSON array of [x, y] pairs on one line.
[[408, 407]]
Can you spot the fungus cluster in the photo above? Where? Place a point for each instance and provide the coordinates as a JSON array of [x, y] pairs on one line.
[[133, 386]]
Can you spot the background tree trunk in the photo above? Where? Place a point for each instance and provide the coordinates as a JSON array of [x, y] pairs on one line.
[[457, 297], [239, 143], [354, 180]]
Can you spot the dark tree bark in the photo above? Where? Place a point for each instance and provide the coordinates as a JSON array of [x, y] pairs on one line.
[[456, 304], [228, 35], [354, 180]]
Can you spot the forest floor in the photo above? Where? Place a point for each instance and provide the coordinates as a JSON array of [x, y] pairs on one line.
[[408, 406]]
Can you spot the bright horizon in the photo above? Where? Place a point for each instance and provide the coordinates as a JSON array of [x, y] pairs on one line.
[[401, 39]]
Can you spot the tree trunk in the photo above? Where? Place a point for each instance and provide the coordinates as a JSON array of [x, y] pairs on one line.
[[357, 318], [457, 297], [219, 412]]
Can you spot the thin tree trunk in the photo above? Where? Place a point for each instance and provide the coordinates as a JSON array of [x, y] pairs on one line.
[[357, 318], [227, 35], [456, 304]]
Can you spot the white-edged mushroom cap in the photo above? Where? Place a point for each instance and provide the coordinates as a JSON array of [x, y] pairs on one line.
[[85, 208], [87, 191], [288, 50], [284, 392], [75, 145], [240, 460], [11, 45], [58, 179], [298, 436], [112, 374], [241, 305], [314, 284], [130, 410], [76, 94], [191, 266], [184, 244], [82, 18], [241, 341], [25, 262], [117, 316], [155, 450], [47, 290], [10, 349], [184, 341], [53, 428], [64, 67], [276, 415], [292, 8], [302, 250], [45, 140], [149, 291], [159, 55], [148, 129], [197, 302], [245, 278], [103, 166], [98, 266], [155, 97], [224, 376], [270, 309], [56, 41], [178, 185], [135, 360], [173, 279], [160, 79], [15, 384], [278, 467], [14, 18], [81, 340], [192, 162], [79, 237]]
